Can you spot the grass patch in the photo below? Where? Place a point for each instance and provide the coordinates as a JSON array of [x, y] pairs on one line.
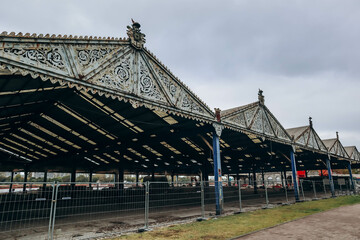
[[235, 225]]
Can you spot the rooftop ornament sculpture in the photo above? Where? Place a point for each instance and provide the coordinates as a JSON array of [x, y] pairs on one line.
[[137, 38], [261, 97]]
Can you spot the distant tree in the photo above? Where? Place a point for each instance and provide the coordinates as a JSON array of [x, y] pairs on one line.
[[65, 178], [102, 178], [3, 178], [18, 178], [82, 178]]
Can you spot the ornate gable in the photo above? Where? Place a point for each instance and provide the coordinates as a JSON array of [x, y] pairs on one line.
[[307, 136], [335, 147], [256, 117], [120, 68], [353, 153]]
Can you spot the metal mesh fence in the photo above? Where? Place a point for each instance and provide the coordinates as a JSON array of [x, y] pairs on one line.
[[98, 208], [25, 208], [90, 210]]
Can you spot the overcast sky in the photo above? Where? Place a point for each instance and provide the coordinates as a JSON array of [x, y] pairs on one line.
[[305, 55]]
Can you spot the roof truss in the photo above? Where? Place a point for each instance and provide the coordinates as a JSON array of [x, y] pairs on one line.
[[112, 68], [257, 118]]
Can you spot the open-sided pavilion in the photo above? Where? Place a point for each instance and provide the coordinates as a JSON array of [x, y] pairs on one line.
[[91, 104]]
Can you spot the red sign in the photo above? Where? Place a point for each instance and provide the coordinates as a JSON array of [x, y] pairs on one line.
[[301, 174]]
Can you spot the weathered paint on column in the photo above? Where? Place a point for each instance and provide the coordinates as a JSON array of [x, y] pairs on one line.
[[328, 164], [294, 173], [217, 168], [217, 174], [351, 177]]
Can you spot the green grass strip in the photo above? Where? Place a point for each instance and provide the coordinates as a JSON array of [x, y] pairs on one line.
[[235, 225]]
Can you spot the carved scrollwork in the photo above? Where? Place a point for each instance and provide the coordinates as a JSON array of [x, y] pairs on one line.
[[48, 56], [147, 85], [171, 87], [189, 104], [239, 119], [218, 128], [87, 57], [119, 78], [257, 125]]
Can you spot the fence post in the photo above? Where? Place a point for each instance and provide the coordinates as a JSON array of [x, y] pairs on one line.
[[147, 193], [54, 211], [324, 186], [350, 185], [266, 194], [202, 200], [314, 187], [240, 203], [51, 208], [302, 189], [341, 190], [286, 194]]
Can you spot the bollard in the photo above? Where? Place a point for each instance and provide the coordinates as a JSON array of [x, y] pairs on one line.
[[240, 204], [302, 189], [314, 187]]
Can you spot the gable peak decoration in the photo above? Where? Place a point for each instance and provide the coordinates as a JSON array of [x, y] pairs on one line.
[[257, 118], [307, 136], [137, 38], [116, 68], [261, 97]]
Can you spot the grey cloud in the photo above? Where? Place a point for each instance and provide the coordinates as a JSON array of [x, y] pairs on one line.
[[303, 54]]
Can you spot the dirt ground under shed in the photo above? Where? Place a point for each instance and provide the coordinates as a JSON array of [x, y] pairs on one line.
[[340, 223]]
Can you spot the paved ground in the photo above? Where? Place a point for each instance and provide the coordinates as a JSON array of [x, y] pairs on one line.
[[340, 223]]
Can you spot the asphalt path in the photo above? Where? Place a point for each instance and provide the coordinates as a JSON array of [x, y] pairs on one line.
[[339, 223]]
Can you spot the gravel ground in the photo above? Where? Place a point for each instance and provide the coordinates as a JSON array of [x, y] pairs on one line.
[[340, 223]]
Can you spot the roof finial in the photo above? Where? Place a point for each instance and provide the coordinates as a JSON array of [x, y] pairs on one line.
[[337, 135], [217, 114], [310, 121], [137, 38], [261, 97]]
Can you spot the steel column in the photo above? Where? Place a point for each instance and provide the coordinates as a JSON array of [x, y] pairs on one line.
[[217, 174], [11, 181], [294, 173], [90, 177], [351, 177], [25, 179], [121, 178], [137, 179], [328, 164], [255, 181]]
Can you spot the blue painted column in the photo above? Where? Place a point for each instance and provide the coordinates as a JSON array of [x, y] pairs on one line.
[[330, 176], [294, 174], [351, 177], [217, 169]]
